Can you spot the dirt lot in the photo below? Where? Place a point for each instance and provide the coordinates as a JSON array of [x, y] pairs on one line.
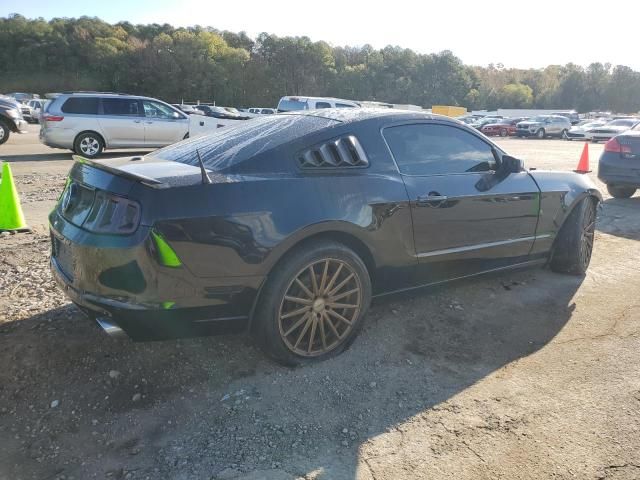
[[516, 376]]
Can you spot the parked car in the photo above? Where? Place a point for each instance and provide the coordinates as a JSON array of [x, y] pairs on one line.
[[36, 109], [613, 128], [582, 131], [262, 111], [221, 112], [478, 124], [21, 97], [618, 164], [289, 104], [287, 225], [504, 127], [188, 109], [10, 118], [544, 126], [88, 123], [573, 116]]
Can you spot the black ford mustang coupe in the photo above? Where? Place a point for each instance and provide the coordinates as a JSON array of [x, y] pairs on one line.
[[287, 225]]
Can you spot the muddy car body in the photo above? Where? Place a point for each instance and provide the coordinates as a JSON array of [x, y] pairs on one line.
[[288, 224]]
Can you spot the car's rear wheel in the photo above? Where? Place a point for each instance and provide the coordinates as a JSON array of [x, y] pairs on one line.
[[4, 132], [503, 132], [574, 245], [313, 304], [563, 135], [89, 145], [620, 192], [540, 133]]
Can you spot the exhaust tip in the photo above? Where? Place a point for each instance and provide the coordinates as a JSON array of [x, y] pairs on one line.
[[110, 327]]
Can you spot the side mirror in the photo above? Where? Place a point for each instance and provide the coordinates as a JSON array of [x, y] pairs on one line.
[[511, 164], [176, 115]]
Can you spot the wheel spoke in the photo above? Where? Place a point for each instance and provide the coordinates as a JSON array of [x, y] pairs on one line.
[[314, 280], [312, 335], [304, 330], [294, 313], [338, 316], [333, 278], [345, 294], [340, 285], [301, 301], [323, 279], [323, 335], [296, 325], [304, 288], [332, 326], [341, 305]]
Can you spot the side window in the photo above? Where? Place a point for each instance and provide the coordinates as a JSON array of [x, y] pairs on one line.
[[121, 106], [82, 105], [157, 110], [343, 105], [429, 149], [323, 105]]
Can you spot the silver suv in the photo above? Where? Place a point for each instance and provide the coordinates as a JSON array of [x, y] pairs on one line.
[[87, 123], [544, 126]]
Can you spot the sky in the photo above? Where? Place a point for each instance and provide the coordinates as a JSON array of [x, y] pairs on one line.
[[523, 34]]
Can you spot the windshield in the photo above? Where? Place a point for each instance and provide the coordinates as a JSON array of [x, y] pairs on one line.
[[233, 144], [288, 105], [539, 118], [623, 122]]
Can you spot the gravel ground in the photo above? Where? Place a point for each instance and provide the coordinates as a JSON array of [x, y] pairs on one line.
[[518, 376]]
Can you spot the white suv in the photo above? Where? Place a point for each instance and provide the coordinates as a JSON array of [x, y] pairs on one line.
[[288, 104], [87, 123]]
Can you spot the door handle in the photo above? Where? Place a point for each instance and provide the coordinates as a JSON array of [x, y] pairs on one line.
[[432, 199], [136, 121]]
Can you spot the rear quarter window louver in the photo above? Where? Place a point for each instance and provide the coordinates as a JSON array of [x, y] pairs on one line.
[[344, 152]]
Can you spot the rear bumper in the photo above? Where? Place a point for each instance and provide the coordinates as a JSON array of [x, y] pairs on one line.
[[614, 169], [124, 285], [57, 137]]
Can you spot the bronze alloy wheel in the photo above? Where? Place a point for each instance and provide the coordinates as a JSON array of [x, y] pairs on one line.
[[588, 231], [320, 307]]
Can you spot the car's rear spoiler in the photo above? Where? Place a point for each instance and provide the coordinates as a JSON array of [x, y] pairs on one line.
[[151, 182]]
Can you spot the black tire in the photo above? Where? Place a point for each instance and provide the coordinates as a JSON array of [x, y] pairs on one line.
[[88, 145], [620, 191], [268, 328], [574, 244], [540, 134], [5, 131], [563, 135], [503, 132]]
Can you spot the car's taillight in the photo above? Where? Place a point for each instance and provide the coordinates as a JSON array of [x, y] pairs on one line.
[[53, 118], [614, 146]]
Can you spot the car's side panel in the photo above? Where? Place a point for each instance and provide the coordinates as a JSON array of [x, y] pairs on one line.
[[560, 193], [249, 241]]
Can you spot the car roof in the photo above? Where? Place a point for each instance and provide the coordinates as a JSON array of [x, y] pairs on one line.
[[105, 95], [347, 115]]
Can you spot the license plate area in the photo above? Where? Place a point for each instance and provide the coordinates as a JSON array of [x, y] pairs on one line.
[[61, 252]]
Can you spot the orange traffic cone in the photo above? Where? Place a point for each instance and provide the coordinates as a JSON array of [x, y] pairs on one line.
[[11, 216], [583, 164]]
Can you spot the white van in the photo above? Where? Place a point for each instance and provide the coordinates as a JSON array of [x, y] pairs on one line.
[[289, 104]]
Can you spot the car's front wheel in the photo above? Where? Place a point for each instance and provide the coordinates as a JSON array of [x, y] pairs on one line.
[[564, 135], [89, 145], [313, 304], [574, 244], [620, 192], [503, 132], [540, 133]]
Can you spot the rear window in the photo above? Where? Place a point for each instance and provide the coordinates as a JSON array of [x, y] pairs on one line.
[[288, 105], [231, 145], [86, 105]]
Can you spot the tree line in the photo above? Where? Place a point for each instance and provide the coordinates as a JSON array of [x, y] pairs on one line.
[[202, 63]]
